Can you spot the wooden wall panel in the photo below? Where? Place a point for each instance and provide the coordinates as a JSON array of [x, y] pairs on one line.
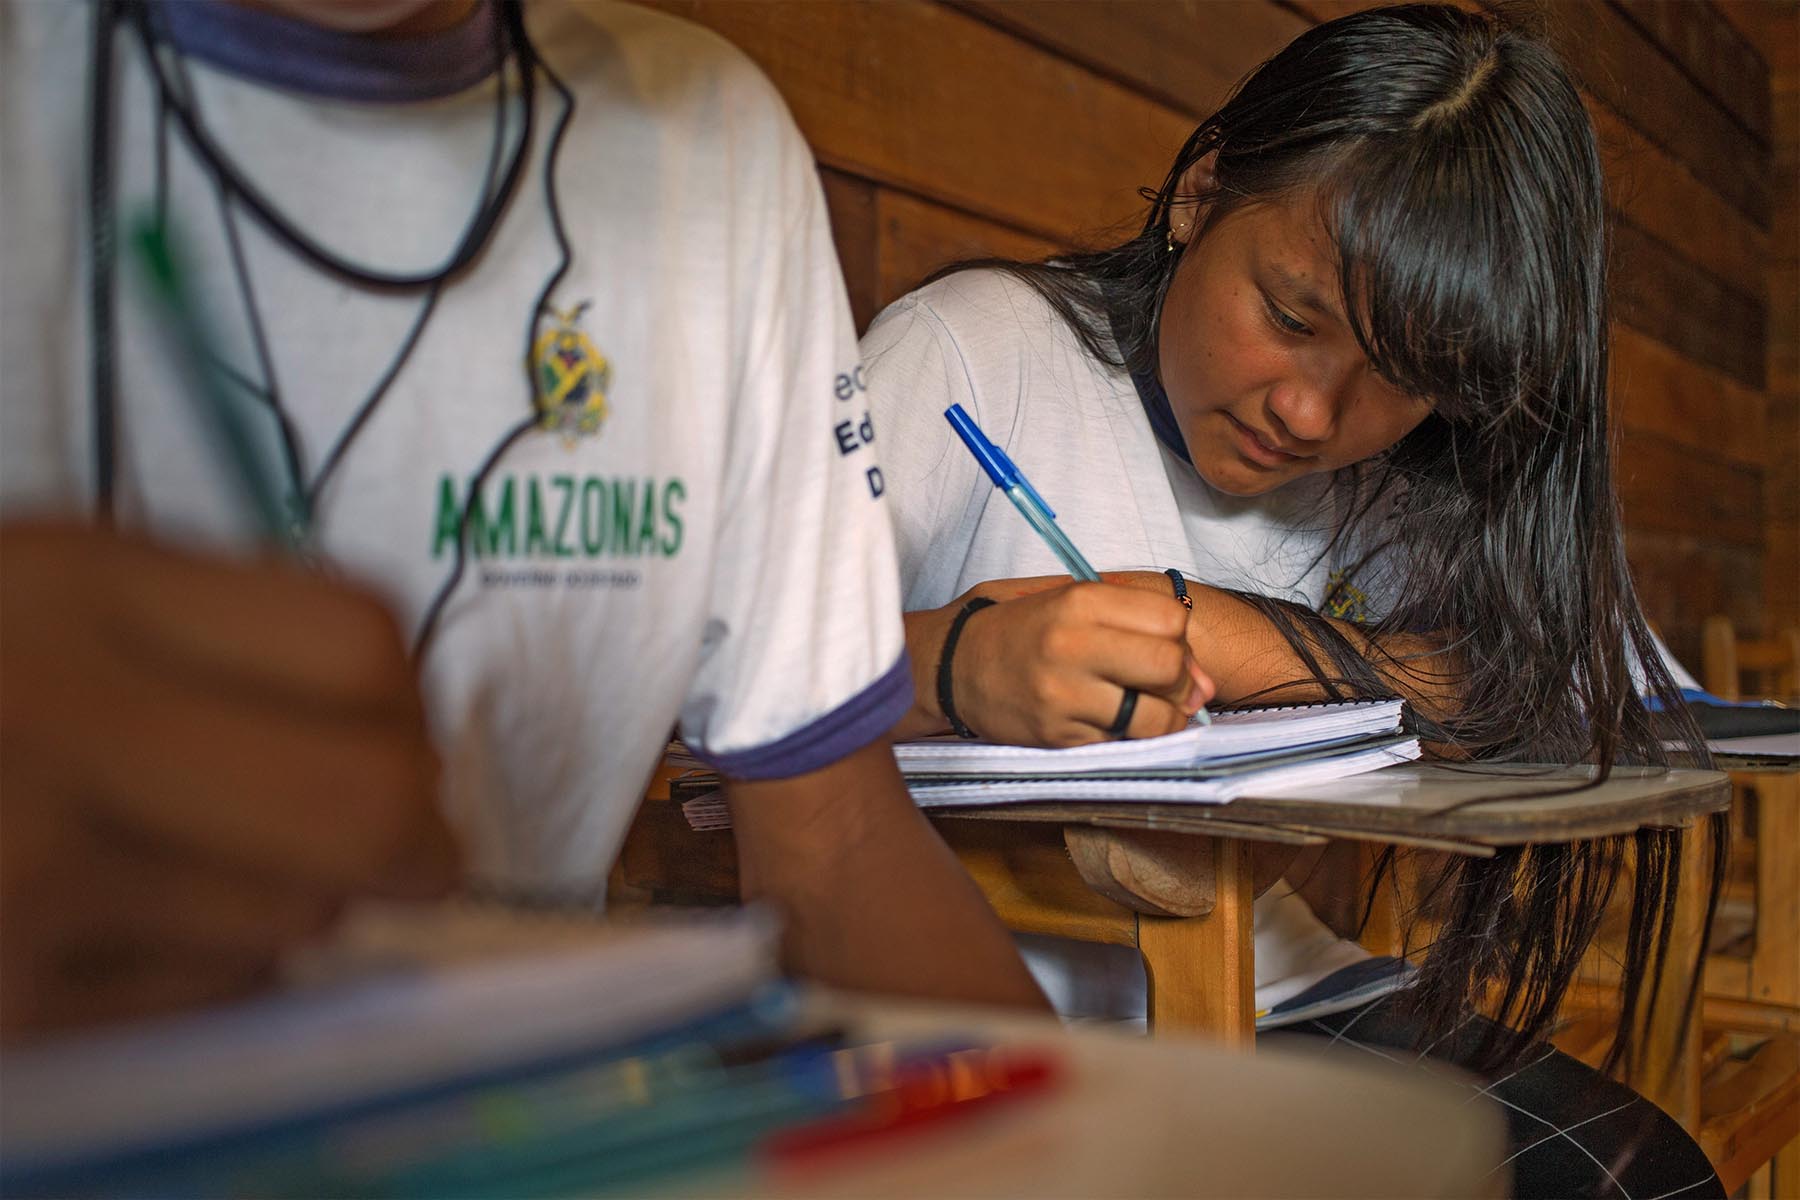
[[1711, 53], [1679, 304], [1655, 190], [930, 100], [1670, 487], [1678, 576], [962, 128], [851, 202], [1187, 53], [1664, 199], [1657, 391], [1632, 75], [918, 237]]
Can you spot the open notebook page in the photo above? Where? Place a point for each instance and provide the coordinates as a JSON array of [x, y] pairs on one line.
[[1231, 734]]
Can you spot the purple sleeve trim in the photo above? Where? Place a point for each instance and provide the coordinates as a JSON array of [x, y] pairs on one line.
[[850, 726]]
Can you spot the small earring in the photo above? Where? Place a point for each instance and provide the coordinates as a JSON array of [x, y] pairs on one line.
[[1169, 237]]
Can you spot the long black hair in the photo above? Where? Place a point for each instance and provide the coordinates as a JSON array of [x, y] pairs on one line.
[[1456, 174]]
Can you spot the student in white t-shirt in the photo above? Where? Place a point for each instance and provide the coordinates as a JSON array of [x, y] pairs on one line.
[[538, 312], [1349, 383]]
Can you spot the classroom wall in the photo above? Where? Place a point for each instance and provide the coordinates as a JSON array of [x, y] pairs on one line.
[[1773, 27], [948, 129]]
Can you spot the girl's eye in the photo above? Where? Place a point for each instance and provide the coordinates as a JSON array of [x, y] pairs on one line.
[[1283, 321]]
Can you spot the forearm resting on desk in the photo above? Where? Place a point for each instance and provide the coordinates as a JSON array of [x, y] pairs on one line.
[[1249, 659], [873, 899]]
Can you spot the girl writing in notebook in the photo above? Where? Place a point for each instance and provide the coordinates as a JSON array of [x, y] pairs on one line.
[[1349, 384]]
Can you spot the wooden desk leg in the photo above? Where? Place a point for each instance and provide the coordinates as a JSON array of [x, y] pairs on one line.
[[1670, 1077], [1775, 960], [1202, 969]]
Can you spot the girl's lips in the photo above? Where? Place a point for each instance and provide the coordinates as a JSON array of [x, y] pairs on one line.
[[1252, 446]]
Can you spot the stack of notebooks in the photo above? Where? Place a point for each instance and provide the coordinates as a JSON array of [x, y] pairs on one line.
[[474, 1051], [1254, 751]]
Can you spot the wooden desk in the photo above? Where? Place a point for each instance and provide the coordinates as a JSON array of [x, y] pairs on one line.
[[1762, 990], [1173, 880], [1758, 995]]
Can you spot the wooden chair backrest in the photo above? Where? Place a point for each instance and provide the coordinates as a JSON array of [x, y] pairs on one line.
[[1725, 659]]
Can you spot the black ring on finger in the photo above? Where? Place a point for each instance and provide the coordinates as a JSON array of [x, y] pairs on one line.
[[1127, 708]]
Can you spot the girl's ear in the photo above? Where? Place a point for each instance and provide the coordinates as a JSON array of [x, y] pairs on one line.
[[1197, 181]]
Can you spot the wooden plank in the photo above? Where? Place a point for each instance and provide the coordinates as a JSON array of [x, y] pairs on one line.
[[1711, 53], [1191, 60], [1628, 72], [1682, 579], [1685, 308], [1782, 576], [1657, 391], [937, 102], [1668, 486], [1769, 26], [1201, 970], [1664, 199], [1784, 326], [1775, 962], [1727, 978], [1187, 53], [1667, 1073], [1626, 69], [1495, 805], [1750, 1109], [851, 202], [1327, 10], [917, 237], [1727, 1012], [1782, 465]]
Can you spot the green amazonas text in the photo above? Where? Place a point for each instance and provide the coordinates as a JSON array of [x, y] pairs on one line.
[[563, 516]]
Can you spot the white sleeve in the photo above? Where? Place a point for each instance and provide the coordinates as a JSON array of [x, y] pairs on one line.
[[915, 372], [803, 658]]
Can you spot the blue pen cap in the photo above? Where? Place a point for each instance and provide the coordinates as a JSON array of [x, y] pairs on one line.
[[993, 460]]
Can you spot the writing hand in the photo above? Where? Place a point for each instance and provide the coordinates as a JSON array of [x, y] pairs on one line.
[[1047, 666]]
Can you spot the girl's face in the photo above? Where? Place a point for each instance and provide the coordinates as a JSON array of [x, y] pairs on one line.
[[1263, 372]]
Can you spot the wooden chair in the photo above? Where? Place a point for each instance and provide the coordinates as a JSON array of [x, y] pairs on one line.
[[1725, 658], [1752, 1002]]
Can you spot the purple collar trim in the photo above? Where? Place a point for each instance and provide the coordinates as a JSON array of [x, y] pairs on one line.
[[279, 51]]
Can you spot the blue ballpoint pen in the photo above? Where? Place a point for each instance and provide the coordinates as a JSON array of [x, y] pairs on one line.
[[1009, 479]]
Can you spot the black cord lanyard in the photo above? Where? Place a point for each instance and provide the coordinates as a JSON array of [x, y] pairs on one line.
[[175, 97]]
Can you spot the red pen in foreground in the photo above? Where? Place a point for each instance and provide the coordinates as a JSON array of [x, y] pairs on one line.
[[923, 1095]]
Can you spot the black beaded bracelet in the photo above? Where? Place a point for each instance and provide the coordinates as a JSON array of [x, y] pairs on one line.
[[1181, 594], [945, 701]]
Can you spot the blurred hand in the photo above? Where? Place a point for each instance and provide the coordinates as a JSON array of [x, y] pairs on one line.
[[200, 761], [1049, 664]]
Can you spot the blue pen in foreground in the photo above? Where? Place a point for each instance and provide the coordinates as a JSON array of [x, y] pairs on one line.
[[1009, 479]]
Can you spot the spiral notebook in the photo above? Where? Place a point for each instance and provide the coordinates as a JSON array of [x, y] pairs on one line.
[[1197, 786], [1242, 753], [1232, 735]]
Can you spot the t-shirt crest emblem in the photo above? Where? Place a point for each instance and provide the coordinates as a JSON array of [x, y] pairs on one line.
[[1344, 601], [572, 376]]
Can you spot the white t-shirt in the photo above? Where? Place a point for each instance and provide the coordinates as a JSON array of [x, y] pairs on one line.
[[1078, 431], [697, 538]]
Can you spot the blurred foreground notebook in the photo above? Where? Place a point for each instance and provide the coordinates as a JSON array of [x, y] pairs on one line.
[[409, 1003]]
